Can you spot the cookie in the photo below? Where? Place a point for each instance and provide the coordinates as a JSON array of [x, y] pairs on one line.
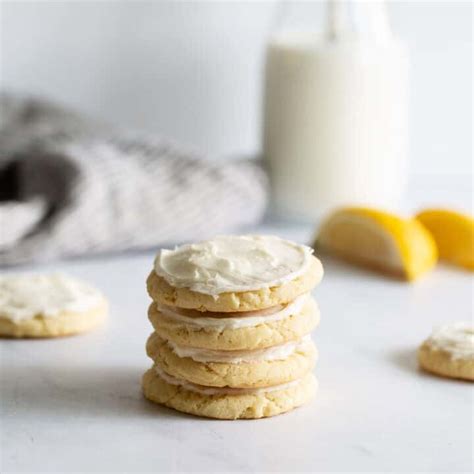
[[239, 369], [233, 273], [230, 404], [48, 305], [449, 351], [162, 292], [266, 333]]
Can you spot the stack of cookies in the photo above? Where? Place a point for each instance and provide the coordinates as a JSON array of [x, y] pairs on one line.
[[232, 319]]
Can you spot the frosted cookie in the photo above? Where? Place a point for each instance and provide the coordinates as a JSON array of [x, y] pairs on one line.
[[236, 331], [40, 305], [449, 351], [242, 369], [226, 403], [233, 273]]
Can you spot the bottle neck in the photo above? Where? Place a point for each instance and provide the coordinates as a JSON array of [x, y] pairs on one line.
[[357, 19]]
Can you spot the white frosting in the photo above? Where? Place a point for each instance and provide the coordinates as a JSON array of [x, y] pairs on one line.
[[223, 321], [203, 390], [233, 264], [457, 339], [279, 352], [29, 295]]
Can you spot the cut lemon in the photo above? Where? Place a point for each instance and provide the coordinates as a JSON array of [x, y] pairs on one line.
[[453, 233], [379, 240]]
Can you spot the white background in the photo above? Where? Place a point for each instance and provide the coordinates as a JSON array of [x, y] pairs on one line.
[[193, 70]]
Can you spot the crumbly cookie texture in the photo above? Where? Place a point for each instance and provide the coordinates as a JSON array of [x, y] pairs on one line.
[[441, 362], [162, 292], [242, 375], [246, 338], [228, 407], [64, 324]]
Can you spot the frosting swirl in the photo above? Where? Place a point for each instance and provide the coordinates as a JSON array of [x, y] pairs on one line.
[[233, 264], [279, 352], [456, 338], [222, 321], [28, 295]]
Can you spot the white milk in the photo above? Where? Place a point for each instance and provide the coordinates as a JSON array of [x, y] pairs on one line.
[[335, 120]]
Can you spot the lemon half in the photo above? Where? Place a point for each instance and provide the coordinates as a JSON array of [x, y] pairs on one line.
[[453, 233], [379, 240]]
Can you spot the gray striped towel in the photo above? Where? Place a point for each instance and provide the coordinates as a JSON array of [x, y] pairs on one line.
[[70, 186]]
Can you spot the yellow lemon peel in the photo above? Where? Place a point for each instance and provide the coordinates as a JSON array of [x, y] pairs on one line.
[[453, 233], [379, 240]]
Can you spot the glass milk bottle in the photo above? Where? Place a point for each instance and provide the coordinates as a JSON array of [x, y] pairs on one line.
[[335, 114]]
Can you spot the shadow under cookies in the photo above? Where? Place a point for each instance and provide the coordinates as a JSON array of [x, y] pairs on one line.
[[76, 391], [407, 360]]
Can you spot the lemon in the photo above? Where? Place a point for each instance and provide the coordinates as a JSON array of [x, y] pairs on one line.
[[453, 233], [379, 240]]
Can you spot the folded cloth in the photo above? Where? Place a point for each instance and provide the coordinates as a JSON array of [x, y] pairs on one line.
[[70, 185]]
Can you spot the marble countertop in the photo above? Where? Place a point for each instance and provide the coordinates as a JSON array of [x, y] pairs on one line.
[[74, 404]]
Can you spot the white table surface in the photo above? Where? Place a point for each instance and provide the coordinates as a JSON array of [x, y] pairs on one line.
[[74, 404]]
